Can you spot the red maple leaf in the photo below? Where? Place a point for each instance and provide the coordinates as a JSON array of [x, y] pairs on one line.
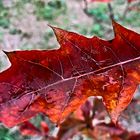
[[27, 128], [129, 1], [57, 82]]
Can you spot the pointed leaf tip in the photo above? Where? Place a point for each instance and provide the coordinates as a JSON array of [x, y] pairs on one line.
[[117, 27], [59, 33], [7, 53], [114, 120], [4, 51]]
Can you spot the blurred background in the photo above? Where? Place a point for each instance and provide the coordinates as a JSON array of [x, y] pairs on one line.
[[24, 26]]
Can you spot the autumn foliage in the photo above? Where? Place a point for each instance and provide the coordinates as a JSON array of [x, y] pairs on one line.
[[57, 82]]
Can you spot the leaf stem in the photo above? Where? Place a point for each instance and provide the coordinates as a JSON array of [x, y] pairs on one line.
[[111, 13]]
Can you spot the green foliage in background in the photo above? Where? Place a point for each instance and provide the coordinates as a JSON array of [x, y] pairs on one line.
[[49, 11], [4, 19], [5, 134]]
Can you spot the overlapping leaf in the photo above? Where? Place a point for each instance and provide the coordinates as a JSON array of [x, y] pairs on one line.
[[57, 82]]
